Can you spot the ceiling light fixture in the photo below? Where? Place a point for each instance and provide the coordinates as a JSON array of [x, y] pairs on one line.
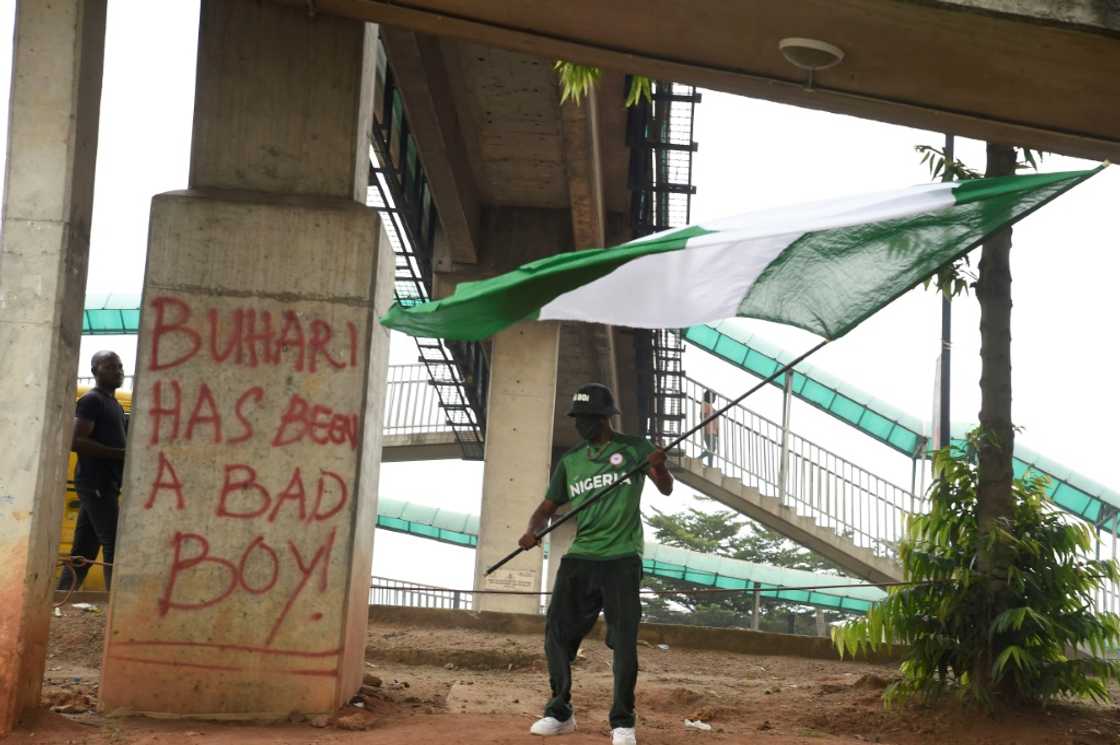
[[811, 55]]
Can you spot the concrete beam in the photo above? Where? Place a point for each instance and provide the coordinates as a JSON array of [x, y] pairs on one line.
[[420, 446], [1044, 79], [54, 110], [257, 143], [510, 237], [579, 129], [1093, 15], [422, 77]]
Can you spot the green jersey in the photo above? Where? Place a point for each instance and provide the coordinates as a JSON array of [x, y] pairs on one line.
[[612, 527]]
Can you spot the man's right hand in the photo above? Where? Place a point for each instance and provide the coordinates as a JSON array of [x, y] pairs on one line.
[[528, 541]]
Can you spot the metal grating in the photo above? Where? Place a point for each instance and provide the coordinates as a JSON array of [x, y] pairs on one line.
[[662, 189], [458, 372]]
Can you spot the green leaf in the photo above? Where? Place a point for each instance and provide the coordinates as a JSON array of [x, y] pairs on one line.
[[1043, 605], [641, 87]]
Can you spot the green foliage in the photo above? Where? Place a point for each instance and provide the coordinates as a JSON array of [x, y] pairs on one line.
[[935, 159], [726, 533], [957, 277], [640, 87], [577, 81], [953, 279], [949, 623]]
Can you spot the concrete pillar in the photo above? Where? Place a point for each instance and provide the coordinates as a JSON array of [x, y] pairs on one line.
[[241, 586], [518, 457], [48, 201]]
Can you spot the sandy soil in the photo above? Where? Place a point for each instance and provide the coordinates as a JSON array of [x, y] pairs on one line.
[[457, 686]]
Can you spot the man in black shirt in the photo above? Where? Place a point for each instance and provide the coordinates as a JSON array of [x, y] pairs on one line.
[[99, 440]]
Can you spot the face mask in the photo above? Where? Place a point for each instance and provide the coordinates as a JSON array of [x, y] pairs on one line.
[[589, 428]]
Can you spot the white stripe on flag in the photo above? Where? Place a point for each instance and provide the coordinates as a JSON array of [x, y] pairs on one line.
[[711, 280], [715, 271]]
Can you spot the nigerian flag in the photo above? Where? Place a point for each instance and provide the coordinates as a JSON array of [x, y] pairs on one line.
[[824, 266]]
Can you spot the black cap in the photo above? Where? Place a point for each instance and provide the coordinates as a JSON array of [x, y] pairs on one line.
[[593, 399]]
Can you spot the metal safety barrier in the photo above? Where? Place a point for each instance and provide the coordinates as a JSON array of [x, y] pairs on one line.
[[868, 510], [410, 595], [412, 405]]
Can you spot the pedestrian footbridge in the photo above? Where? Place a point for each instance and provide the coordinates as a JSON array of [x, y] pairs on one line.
[[668, 562]]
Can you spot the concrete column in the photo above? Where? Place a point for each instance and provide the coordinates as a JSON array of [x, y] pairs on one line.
[[246, 533], [48, 201], [518, 456]]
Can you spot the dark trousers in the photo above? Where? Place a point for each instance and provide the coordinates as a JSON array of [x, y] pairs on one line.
[[96, 528], [583, 588]]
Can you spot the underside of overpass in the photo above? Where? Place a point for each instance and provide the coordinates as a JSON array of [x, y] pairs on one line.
[[1038, 73], [516, 176]]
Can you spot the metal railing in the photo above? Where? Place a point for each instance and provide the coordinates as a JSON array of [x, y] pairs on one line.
[[411, 403], [837, 494], [1108, 597], [412, 595]]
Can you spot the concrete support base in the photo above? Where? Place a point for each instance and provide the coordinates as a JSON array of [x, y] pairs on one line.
[[48, 202], [518, 458], [245, 552]]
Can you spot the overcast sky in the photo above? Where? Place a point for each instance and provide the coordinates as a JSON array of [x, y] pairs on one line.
[[752, 154]]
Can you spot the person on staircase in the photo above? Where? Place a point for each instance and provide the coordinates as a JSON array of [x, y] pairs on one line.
[[711, 429], [602, 571]]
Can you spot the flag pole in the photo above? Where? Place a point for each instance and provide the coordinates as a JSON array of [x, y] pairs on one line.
[[638, 469]]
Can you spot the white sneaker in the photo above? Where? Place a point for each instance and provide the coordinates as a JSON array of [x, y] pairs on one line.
[[623, 736], [549, 726]]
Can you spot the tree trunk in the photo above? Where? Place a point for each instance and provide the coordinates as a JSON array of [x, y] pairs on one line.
[[994, 503]]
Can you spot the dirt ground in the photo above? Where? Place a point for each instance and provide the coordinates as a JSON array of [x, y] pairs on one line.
[[458, 686]]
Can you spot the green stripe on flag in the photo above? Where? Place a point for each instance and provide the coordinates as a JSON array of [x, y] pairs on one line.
[[480, 309], [829, 282], [975, 190]]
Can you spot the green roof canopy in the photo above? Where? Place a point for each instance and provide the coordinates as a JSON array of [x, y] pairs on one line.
[[906, 434], [111, 314], [456, 528]]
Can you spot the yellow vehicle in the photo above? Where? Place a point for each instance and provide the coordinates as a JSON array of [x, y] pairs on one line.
[[95, 580]]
